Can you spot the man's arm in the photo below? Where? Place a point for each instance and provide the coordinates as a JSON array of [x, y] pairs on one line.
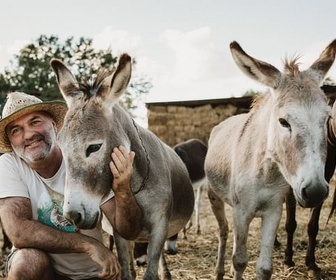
[[122, 210], [16, 218]]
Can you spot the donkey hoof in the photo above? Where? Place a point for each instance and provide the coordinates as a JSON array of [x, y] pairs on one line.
[[289, 264], [220, 276], [315, 274], [167, 275], [171, 251], [141, 261]]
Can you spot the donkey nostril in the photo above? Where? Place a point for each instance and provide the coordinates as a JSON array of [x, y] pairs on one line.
[[77, 218], [304, 194], [74, 216]]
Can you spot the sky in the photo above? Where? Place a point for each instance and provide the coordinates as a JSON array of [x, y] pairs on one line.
[[182, 46]]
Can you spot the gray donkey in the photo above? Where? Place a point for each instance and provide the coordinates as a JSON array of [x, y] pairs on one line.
[[94, 124]]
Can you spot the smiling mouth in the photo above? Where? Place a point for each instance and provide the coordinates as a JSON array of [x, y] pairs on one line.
[[33, 144]]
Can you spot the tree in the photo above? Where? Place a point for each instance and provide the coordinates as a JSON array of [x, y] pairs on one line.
[[251, 92], [329, 81], [30, 71]]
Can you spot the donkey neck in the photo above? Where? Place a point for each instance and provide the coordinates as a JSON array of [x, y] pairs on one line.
[[125, 131], [130, 133]]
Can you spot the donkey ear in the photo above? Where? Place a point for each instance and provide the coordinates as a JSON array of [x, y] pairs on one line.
[[256, 69], [322, 65], [121, 77], [66, 81]]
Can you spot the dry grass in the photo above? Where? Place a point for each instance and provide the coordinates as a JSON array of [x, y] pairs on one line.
[[196, 258]]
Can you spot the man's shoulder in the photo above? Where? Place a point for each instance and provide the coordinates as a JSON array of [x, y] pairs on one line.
[[10, 161], [9, 157]]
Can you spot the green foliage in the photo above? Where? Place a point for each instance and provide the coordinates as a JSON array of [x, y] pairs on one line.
[[30, 71], [329, 81], [251, 92]]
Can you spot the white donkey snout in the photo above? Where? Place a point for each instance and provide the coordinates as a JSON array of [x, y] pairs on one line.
[[312, 194], [81, 208]]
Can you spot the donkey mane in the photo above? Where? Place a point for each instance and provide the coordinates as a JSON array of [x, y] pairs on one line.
[[92, 87], [291, 66]]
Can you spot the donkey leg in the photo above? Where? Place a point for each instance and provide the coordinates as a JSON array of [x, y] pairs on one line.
[[218, 209], [241, 222], [131, 263], [155, 248], [124, 256], [313, 227], [197, 209], [164, 270], [171, 245], [290, 228], [270, 223], [140, 253]]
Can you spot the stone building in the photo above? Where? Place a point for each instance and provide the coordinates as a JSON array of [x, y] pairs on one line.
[[175, 122]]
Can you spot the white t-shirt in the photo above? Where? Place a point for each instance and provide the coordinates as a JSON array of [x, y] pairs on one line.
[[17, 179]]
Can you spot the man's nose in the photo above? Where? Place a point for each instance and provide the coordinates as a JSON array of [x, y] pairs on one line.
[[28, 132]]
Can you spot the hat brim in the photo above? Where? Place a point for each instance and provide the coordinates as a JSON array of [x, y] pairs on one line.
[[57, 110]]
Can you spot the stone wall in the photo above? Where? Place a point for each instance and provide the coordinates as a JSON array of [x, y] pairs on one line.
[[175, 122]]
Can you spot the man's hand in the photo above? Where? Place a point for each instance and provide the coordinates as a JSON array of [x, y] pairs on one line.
[[24, 232], [122, 210], [106, 260], [121, 167]]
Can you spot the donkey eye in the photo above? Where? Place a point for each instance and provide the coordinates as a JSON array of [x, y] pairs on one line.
[[92, 148], [284, 123]]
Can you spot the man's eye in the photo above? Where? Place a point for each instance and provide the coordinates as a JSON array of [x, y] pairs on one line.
[[14, 131], [36, 122]]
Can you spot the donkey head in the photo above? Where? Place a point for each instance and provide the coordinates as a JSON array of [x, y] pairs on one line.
[[296, 120], [85, 138]]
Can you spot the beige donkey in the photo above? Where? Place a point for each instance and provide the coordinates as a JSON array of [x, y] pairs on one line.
[[254, 159]]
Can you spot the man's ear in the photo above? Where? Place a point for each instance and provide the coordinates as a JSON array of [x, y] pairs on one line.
[[54, 124]]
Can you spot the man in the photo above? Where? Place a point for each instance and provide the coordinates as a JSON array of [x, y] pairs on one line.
[[32, 172]]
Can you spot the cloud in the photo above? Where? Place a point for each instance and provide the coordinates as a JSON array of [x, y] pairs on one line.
[[17, 46], [210, 89], [201, 70], [7, 52], [312, 53], [120, 41], [117, 40], [197, 57]]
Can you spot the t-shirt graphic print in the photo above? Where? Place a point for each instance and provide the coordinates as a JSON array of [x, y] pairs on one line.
[[50, 212]]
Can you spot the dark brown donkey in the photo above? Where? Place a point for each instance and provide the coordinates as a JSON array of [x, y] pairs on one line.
[[193, 153]]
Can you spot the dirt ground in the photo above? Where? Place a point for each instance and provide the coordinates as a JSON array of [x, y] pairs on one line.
[[196, 257]]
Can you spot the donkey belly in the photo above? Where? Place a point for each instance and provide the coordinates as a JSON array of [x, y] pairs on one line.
[[182, 203], [167, 207], [222, 157]]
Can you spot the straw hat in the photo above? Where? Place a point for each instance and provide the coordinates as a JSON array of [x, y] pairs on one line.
[[19, 104]]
